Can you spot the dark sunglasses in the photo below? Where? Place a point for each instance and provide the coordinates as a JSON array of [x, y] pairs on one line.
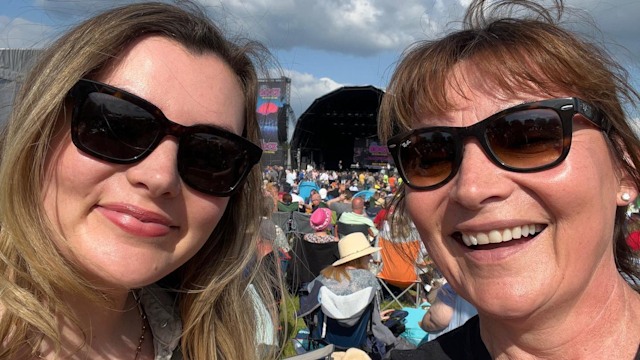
[[116, 126], [525, 138]]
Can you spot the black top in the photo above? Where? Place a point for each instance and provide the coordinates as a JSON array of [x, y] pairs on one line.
[[463, 343]]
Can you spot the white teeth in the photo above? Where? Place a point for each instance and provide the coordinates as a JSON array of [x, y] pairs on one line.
[[473, 240], [498, 236], [516, 232], [495, 237], [483, 238]]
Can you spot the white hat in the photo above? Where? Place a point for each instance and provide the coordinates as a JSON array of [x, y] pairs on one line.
[[323, 193], [354, 246]]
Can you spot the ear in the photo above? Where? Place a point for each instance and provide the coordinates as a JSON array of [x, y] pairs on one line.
[[627, 192]]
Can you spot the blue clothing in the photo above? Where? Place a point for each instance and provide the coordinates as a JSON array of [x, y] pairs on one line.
[[462, 310]]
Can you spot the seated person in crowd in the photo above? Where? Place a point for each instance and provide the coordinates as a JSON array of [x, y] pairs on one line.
[[447, 312], [342, 203], [320, 221], [350, 274], [358, 216], [315, 203], [287, 204]]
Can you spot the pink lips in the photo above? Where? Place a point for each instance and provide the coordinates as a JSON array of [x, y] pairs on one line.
[[136, 221]]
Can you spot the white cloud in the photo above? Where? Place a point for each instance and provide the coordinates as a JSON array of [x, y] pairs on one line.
[[356, 27], [307, 88]]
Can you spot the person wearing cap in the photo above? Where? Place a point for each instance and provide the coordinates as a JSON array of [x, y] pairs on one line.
[[320, 221], [323, 192]]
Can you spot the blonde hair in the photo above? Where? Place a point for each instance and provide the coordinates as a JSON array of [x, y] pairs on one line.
[[340, 271], [517, 45], [217, 325]]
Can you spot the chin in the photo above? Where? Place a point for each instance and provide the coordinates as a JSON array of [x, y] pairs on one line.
[[508, 305]]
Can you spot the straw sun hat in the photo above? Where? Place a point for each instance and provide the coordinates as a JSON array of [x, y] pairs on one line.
[[354, 246]]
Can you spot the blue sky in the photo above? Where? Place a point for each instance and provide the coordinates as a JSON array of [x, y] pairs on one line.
[[323, 44]]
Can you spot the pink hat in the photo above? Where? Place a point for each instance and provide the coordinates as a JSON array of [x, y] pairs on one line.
[[320, 219]]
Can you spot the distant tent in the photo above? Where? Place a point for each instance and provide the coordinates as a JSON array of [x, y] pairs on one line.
[[305, 187], [14, 65], [365, 194]]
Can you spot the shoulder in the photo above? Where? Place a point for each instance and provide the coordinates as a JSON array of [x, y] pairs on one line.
[[463, 343], [362, 274]]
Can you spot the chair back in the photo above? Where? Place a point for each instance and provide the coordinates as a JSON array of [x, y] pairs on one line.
[[346, 229], [399, 261], [283, 220], [301, 224], [345, 337], [307, 260], [344, 321]]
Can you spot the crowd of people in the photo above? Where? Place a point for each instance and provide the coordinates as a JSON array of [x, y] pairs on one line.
[[135, 218]]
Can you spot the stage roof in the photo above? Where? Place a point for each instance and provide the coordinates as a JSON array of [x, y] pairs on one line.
[[339, 116]]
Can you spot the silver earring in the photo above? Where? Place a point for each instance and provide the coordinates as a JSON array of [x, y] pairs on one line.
[[625, 197]]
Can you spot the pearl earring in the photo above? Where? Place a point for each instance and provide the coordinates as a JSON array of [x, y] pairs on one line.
[[625, 197]]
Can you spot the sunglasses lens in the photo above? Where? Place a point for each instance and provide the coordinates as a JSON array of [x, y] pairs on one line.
[[427, 158], [114, 128], [211, 163], [526, 139]]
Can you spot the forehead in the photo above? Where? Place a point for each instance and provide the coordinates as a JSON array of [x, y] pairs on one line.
[[205, 90], [471, 96]]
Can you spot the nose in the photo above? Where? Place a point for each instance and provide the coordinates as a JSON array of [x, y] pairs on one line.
[[158, 172], [479, 181]]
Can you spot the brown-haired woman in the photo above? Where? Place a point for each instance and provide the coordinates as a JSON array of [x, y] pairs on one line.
[[519, 163]]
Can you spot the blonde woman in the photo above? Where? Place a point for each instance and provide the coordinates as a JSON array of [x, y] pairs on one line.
[[126, 186], [350, 274]]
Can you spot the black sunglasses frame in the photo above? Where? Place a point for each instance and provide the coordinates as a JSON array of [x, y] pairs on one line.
[[566, 108], [248, 156]]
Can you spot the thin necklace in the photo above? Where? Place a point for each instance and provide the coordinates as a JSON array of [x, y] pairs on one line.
[[143, 331], [143, 317]]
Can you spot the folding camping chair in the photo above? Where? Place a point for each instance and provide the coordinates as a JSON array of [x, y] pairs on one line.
[[401, 264], [300, 223], [346, 229], [307, 260], [343, 321]]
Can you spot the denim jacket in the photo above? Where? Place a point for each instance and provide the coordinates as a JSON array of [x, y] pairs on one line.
[[164, 322]]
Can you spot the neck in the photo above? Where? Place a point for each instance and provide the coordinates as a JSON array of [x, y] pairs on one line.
[[603, 322], [101, 332]]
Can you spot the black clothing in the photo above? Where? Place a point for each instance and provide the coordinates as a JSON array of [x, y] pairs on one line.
[[463, 343]]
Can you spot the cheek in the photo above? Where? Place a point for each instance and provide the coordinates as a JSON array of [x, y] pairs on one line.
[[205, 212], [424, 209], [585, 186]]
